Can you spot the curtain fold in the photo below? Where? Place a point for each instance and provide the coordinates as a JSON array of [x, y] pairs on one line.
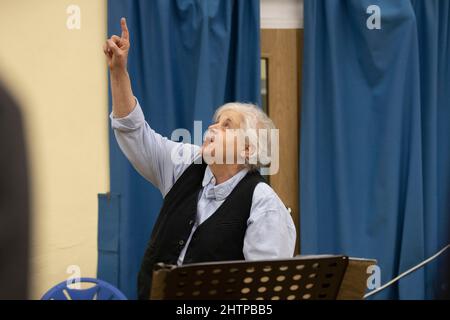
[[375, 137], [187, 58]]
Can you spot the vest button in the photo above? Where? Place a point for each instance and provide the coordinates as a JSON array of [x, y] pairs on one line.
[[191, 222], [181, 242]]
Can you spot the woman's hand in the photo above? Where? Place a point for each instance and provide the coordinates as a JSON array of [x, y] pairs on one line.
[[116, 49]]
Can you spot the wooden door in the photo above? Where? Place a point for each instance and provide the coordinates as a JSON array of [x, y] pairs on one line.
[[281, 52]]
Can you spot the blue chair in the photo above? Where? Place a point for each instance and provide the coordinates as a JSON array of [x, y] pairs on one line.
[[100, 291]]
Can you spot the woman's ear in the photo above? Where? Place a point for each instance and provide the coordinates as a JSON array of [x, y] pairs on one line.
[[248, 152]]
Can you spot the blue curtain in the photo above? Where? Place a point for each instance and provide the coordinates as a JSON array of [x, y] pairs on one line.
[[187, 58], [375, 137]]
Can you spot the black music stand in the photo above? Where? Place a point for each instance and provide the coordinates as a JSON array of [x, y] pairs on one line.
[[299, 278]]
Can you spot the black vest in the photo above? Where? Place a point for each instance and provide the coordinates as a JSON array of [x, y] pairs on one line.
[[218, 238]]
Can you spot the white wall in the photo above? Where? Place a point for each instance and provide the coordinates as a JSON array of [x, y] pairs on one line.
[[281, 14]]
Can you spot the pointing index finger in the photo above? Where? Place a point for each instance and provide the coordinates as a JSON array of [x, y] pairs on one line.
[[125, 33]]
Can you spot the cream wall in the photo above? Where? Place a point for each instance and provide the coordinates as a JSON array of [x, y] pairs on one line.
[[59, 77]]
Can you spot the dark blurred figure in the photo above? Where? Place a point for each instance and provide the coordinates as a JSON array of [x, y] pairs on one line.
[[14, 202]]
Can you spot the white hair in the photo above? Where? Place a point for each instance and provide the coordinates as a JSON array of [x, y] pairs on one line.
[[257, 127]]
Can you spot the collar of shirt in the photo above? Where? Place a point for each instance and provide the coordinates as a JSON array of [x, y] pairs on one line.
[[220, 192]]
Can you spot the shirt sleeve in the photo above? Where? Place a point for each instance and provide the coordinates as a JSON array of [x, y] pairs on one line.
[[270, 231], [158, 159]]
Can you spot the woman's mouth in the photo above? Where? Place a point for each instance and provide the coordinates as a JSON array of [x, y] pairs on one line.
[[210, 136]]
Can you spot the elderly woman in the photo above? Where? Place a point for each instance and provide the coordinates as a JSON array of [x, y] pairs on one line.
[[216, 204]]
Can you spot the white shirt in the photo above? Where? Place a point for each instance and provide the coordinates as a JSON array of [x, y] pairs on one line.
[[270, 230]]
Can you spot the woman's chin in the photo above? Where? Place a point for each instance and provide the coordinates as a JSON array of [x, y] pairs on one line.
[[208, 153], [206, 148]]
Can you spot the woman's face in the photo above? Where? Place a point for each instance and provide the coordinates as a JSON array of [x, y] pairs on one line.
[[221, 142]]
